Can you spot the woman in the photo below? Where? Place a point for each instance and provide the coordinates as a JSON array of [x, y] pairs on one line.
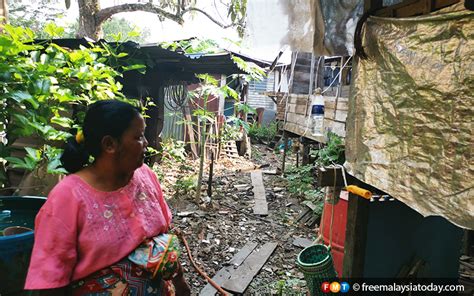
[[100, 213]]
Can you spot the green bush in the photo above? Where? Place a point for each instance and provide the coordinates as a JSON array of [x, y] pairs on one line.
[[301, 184], [331, 153], [263, 133], [40, 85]]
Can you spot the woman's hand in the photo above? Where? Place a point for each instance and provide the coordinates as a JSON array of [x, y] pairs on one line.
[[180, 285]]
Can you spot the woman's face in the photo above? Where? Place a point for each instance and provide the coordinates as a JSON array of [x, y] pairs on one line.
[[132, 147]]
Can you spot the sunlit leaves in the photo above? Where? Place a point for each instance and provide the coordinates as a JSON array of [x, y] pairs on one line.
[[40, 84], [254, 71]]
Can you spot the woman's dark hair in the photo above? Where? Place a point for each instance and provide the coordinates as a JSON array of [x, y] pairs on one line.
[[103, 118]]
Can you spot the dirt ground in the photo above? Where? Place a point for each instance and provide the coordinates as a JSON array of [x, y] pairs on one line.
[[218, 227]]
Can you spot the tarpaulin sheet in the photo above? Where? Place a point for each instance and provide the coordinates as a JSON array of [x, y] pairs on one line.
[[325, 27], [410, 122]]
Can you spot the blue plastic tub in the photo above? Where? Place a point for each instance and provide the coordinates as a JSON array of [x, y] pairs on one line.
[[15, 250]]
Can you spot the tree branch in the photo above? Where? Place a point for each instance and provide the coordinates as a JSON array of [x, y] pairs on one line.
[[106, 13], [189, 9]]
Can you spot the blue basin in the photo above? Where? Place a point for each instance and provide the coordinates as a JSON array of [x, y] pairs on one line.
[[15, 250]]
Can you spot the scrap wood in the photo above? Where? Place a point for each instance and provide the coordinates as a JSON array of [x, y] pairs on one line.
[[243, 276], [261, 206], [254, 167], [270, 172], [223, 274]]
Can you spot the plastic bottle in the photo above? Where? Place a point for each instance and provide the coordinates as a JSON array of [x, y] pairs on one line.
[[317, 113]]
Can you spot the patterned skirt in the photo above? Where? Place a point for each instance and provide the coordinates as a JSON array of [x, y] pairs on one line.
[[123, 278]]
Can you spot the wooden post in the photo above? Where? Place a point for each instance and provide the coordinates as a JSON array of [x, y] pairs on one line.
[[285, 146], [298, 158], [356, 237], [319, 77], [305, 150], [211, 172], [311, 74], [190, 132]]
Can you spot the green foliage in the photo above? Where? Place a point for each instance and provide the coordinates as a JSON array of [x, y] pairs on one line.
[[300, 184], [237, 12], [244, 108], [36, 15], [185, 185], [120, 30], [331, 153], [193, 45], [300, 179], [231, 129], [290, 286], [263, 133], [40, 84], [36, 157], [172, 151], [254, 72]]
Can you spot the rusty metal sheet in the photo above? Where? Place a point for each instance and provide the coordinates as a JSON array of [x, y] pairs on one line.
[[410, 122]]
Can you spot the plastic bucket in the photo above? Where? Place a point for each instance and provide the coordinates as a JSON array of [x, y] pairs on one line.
[[17, 216], [317, 266]]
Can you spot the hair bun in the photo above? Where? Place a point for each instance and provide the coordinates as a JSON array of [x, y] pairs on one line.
[[75, 156]]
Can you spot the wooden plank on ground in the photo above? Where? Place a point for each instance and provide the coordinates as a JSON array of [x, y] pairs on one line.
[[224, 273], [240, 257], [261, 206], [243, 276]]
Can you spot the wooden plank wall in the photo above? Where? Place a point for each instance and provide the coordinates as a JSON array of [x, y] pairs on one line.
[[298, 120], [335, 118], [307, 75]]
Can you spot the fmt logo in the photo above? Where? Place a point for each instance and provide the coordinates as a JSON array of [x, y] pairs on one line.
[[325, 287], [335, 287]]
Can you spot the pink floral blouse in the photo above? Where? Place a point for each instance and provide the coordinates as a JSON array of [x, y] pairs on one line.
[[80, 230]]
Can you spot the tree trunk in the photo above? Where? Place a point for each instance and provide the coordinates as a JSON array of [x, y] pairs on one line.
[[3, 13], [88, 26]]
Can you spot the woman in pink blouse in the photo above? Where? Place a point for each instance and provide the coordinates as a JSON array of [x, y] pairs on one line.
[[96, 216]]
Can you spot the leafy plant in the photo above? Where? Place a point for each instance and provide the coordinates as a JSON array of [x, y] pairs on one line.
[[290, 286], [44, 89], [331, 153], [193, 45], [185, 185], [172, 151], [253, 70], [301, 184], [262, 132], [300, 179]]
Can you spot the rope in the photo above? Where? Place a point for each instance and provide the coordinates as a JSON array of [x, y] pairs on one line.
[[180, 234]]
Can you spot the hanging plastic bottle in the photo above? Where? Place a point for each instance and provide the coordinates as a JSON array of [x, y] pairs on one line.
[[317, 113]]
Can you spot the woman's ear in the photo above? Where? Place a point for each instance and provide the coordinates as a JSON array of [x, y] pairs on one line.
[[109, 144]]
